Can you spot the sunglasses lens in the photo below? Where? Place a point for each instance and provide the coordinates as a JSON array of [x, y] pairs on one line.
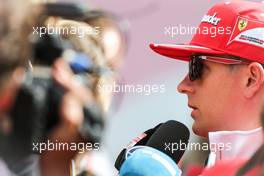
[[195, 68]]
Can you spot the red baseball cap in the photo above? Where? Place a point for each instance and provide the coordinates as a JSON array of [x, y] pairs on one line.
[[238, 30]]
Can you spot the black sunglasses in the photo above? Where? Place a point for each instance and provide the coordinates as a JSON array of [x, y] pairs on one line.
[[196, 63]]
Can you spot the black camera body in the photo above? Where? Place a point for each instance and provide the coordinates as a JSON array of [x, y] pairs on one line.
[[37, 108]]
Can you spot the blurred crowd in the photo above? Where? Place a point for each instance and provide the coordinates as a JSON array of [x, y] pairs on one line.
[[53, 57]]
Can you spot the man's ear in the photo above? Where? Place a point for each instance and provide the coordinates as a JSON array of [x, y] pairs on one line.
[[255, 79]]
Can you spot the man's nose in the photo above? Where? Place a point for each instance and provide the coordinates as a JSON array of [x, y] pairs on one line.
[[186, 85]]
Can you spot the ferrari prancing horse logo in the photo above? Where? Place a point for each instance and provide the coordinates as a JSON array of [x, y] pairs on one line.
[[242, 24]]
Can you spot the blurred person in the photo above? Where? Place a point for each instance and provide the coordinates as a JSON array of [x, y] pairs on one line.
[[111, 40], [16, 21], [225, 82], [67, 131], [113, 37], [106, 50], [16, 156], [88, 161], [88, 45]]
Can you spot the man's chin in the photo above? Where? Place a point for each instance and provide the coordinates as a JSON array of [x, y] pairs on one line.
[[199, 131]]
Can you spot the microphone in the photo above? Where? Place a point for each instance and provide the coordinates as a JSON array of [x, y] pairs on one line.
[[167, 138], [160, 155], [140, 140], [147, 161], [171, 138]]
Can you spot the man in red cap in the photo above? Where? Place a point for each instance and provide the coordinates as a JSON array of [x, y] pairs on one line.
[[225, 83]]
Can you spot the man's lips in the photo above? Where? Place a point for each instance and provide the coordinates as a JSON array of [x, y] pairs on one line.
[[192, 107], [194, 110]]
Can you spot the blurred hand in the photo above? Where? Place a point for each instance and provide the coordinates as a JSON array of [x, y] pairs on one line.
[[71, 118], [64, 76]]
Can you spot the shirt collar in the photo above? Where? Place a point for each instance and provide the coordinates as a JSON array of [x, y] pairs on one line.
[[231, 144]]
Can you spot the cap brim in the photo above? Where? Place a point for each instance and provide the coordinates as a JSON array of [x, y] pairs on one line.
[[182, 52]]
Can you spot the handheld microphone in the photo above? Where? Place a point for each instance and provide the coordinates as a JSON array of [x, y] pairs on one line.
[[140, 140], [147, 161], [161, 153], [166, 137], [170, 138]]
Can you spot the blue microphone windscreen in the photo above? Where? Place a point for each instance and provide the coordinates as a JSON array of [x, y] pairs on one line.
[[147, 161]]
